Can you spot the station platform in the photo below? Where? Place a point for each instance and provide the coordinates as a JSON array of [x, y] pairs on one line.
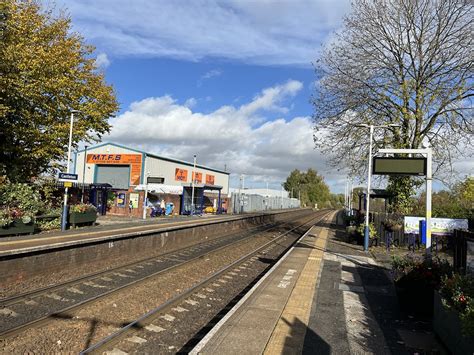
[[325, 296], [106, 229]]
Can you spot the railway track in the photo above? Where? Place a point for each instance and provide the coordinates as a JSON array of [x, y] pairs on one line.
[[41, 306], [138, 335]]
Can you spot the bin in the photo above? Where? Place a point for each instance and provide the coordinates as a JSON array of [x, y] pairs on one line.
[[169, 208]]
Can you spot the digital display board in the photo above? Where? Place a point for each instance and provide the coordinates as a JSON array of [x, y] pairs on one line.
[[399, 166]]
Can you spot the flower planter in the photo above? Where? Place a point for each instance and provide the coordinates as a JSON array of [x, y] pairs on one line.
[[76, 218], [415, 299], [18, 227], [447, 326]]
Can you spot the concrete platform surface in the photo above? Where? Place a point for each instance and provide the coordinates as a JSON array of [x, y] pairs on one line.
[[326, 296], [31, 243]]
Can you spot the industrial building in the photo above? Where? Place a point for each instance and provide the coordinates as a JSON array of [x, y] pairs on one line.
[[127, 172]]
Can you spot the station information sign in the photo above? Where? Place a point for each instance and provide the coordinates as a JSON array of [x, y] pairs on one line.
[[67, 177], [399, 166]]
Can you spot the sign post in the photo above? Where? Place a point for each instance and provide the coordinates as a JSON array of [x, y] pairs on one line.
[[428, 174]]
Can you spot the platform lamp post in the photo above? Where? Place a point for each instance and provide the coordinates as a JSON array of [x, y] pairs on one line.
[[193, 177], [369, 175], [84, 173], [64, 214]]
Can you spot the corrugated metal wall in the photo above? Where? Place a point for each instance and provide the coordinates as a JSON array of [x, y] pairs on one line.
[[253, 203]]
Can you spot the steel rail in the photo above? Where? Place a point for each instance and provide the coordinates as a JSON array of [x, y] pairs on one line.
[[146, 318], [46, 318]]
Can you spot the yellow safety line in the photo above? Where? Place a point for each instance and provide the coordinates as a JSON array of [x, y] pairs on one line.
[[289, 333]]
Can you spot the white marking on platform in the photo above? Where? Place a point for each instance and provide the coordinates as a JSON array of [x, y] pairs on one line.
[[31, 303], [200, 295], [140, 266], [130, 270], [192, 302], [180, 309], [136, 340], [8, 312], [223, 281], [233, 273], [285, 282], [228, 277], [168, 317], [209, 289], [75, 290], [216, 285], [154, 328], [105, 278]]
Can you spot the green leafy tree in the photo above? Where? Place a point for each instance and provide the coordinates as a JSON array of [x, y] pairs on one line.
[[46, 71], [404, 62], [310, 186]]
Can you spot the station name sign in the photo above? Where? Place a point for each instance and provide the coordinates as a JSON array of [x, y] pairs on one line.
[[65, 177], [399, 166]]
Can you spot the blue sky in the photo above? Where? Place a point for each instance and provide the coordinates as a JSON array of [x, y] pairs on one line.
[[230, 81]]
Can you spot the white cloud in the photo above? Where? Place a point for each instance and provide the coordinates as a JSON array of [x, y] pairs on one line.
[[212, 73], [262, 32], [190, 103], [227, 136], [102, 61]]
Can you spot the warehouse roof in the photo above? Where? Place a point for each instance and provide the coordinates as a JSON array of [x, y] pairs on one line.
[[156, 156]]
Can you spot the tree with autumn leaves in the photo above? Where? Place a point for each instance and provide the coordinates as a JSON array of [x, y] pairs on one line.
[[46, 70]]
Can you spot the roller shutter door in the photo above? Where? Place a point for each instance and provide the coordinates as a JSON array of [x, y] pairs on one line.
[[117, 176]]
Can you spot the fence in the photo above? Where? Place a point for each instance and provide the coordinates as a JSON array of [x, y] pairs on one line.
[[398, 237], [242, 203], [463, 254]]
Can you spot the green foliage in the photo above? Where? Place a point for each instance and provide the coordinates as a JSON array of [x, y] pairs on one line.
[[46, 70], [82, 208], [25, 201], [402, 188], [310, 186], [457, 293], [372, 230], [456, 203], [18, 201]]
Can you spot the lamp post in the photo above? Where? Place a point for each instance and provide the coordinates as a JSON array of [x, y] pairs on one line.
[[369, 175], [193, 176], [64, 215], [84, 173]]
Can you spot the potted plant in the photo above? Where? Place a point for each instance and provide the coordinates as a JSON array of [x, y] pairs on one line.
[[415, 280], [453, 313], [372, 232], [82, 213], [14, 221]]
